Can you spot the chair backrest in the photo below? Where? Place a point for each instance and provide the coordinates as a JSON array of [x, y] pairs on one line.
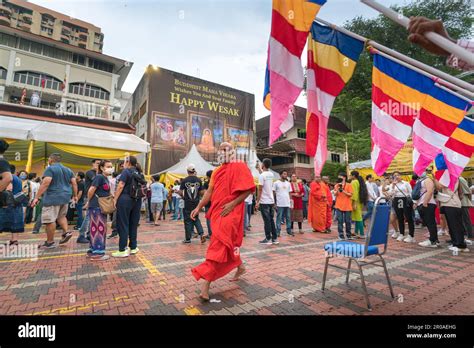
[[379, 224]]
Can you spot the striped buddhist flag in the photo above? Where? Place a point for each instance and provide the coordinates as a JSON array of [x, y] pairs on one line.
[[332, 57], [440, 116], [394, 107], [456, 153], [284, 78]]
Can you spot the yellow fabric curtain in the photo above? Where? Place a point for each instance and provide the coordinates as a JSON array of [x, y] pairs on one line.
[[29, 163], [10, 141], [93, 152]]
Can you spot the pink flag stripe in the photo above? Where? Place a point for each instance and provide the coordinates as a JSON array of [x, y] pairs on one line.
[[385, 148], [286, 64]]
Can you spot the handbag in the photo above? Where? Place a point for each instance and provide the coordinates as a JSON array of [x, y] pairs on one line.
[[106, 204]]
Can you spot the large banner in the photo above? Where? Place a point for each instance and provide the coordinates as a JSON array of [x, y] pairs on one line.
[[185, 110]]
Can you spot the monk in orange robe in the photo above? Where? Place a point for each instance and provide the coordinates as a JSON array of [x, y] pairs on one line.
[[230, 184], [317, 208], [329, 207]]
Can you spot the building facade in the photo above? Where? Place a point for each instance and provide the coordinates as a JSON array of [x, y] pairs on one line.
[[41, 71], [28, 17], [289, 151]]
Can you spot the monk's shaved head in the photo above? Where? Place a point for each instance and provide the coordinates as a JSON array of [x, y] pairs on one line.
[[225, 146], [226, 153]]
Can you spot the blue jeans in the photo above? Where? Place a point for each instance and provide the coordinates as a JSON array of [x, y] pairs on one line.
[[370, 209], [305, 209], [80, 216], [178, 212], [283, 212], [189, 225], [247, 214], [343, 217], [84, 229], [268, 222]]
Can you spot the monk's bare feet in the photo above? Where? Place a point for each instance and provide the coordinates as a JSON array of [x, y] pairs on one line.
[[204, 296], [240, 272]]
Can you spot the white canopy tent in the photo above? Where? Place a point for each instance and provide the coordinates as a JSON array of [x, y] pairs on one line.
[[192, 157]]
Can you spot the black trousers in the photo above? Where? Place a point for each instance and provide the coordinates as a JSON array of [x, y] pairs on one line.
[[163, 211], [189, 225], [466, 221], [429, 220], [268, 221], [455, 225], [403, 211], [128, 217]]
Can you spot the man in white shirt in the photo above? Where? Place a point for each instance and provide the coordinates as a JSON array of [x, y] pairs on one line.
[[282, 189], [176, 202], [371, 185], [403, 206], [266, 201], [247, 212]]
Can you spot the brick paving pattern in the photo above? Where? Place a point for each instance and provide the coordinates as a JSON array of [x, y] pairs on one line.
[[281, 279]]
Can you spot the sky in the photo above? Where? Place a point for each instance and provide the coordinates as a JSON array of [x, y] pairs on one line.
[[223, 41]]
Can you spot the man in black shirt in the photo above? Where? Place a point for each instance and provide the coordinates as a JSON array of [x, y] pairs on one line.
[[191, 191], [90, 175], [5, 173], [80, 199]]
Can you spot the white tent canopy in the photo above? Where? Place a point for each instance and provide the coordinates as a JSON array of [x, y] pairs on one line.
[[193, 157], [49, 132], [360, 164]]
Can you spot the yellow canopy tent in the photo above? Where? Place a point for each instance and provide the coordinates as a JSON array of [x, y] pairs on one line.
[[31, 142]]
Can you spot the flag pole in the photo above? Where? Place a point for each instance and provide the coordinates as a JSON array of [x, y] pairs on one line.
[[445, 79], [435, 38]]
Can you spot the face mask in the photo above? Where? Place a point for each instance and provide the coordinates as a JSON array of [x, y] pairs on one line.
[[109, 171], [23, 177]]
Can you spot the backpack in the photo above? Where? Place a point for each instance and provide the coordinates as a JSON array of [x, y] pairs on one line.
[[416, 193], [138, 188]]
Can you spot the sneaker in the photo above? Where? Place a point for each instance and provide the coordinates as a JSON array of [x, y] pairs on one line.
[[35, 232], [112, 235], [341, 238], [203, 239], [291, 234], [453, 249], [395, 234], [124, 253], [134, 251], [275, 242], [82, 240], [301, 232], [65, 238], [351, 238], [47, 245], [99, 257], [467, 241], [401, 238], [266, 241], [409, 239], [441, 232], [428, 244], [186, 241], [464, 250]]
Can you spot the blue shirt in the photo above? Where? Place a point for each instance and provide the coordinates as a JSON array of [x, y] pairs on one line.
[[59, 191], [157, 192], [16, 184]]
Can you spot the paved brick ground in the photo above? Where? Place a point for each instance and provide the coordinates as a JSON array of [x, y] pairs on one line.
[[283, 279]]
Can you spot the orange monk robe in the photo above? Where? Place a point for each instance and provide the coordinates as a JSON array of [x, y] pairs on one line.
[[329, 207], [223, 254], [317, 209]]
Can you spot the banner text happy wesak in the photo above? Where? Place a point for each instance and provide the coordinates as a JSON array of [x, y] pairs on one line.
[[185, 110]]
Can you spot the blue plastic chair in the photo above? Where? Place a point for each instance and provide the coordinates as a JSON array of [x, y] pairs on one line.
[[360, 253]]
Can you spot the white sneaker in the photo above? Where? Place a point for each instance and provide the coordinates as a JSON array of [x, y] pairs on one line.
[[467, 241], [441, 232], [454, 249], [409, 239], [395, 234], [427, 244], [401, 238]]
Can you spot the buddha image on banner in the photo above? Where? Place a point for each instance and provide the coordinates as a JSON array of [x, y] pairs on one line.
[[170, 132], [207, 134], [239, 138]]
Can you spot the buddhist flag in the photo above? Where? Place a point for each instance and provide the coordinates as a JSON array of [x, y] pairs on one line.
[[332, 57], [284, 78], [456, 154]]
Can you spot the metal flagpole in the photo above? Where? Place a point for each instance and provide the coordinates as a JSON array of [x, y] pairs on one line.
[[444, 78], [433, 37]]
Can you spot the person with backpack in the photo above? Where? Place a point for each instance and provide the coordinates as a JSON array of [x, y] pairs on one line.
[[131, 189]]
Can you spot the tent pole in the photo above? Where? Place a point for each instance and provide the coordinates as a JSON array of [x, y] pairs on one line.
[[149, 163], [29, 163]]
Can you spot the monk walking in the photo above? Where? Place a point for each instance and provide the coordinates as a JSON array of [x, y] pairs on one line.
[[317, 210], [230, 184]]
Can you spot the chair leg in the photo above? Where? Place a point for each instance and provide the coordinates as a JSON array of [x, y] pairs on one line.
[[363, 285], [348, 270], [387, 276], [325, 273]]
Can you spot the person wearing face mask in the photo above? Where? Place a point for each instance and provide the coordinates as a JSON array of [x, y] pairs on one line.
[[100, 187]]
